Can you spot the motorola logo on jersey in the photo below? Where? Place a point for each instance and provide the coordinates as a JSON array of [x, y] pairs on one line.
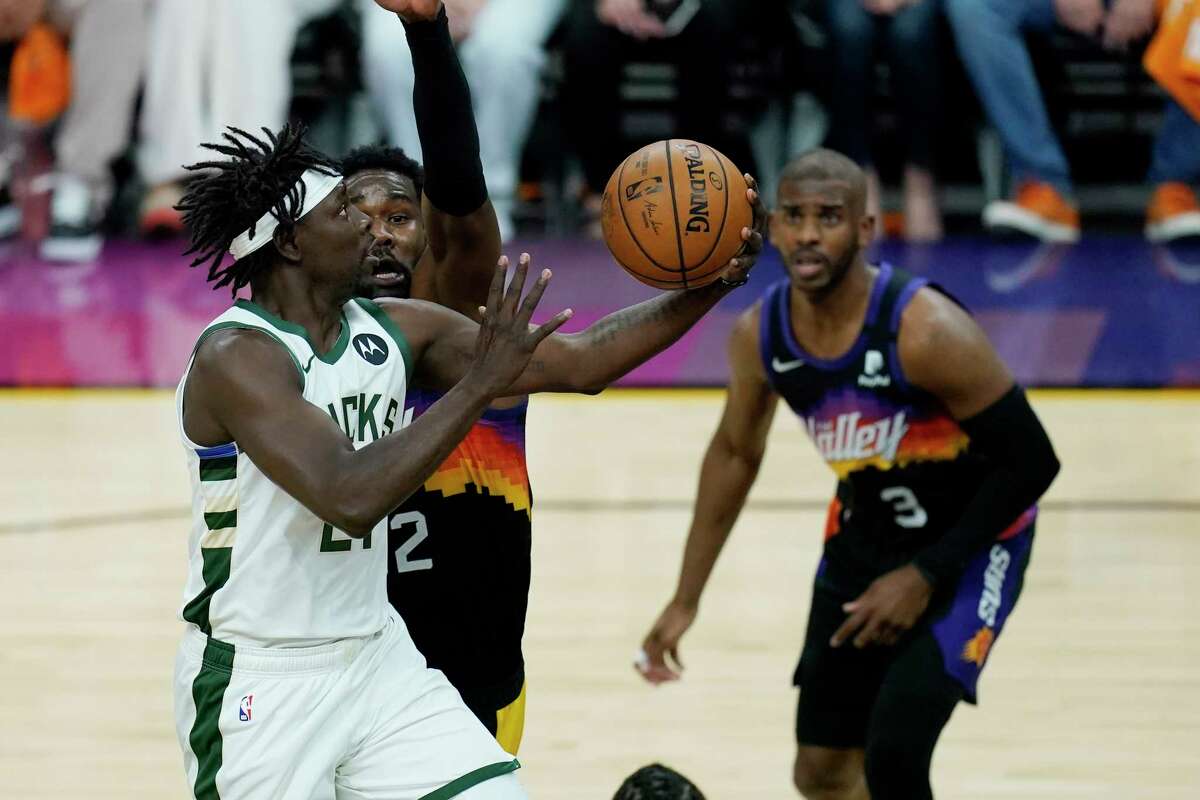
[[372, 348], [872, 366]]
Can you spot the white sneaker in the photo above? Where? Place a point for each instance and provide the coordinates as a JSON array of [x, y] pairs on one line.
[[74, 231], [1173, 213]]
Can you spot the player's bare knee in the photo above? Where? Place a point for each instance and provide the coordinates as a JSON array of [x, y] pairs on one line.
[[822, 773]]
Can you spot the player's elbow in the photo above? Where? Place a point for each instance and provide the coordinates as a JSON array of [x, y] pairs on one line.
[[736, 463], [736, 449], [1039, 464], [352, 517], [1049, 468], [358, 528], [746, 464]]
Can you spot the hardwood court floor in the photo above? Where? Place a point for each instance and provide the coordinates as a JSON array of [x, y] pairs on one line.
[[1093, 691]]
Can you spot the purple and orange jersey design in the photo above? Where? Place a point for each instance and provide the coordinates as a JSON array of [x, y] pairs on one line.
[[491, 458], [855, 430], [904, 466]]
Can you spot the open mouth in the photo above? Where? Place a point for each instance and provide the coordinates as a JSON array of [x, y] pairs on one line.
[[809, 265], [389, 275]]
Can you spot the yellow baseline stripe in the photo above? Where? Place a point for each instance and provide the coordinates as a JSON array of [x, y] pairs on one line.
[[74, 393], [632, 393]]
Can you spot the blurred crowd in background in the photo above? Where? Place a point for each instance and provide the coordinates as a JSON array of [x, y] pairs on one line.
[[1013, 115]]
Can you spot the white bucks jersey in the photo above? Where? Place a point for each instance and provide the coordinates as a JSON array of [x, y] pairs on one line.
[[264, 570]]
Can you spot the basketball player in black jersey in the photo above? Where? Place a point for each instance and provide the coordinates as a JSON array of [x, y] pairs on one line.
[[460, 567], [460, 545], [940, 461]]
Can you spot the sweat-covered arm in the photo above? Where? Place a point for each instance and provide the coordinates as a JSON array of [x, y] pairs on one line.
[[945, 352], [614, 345], [590, 360], [580, 362], [732, 459], [243, 387], [730, 467]]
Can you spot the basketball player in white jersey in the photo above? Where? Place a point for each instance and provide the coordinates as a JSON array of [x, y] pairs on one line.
[[295, 678]]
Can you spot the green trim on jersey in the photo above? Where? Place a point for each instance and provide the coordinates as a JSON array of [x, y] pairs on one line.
[[216, 572], [216, 559], [220, 326], [385, 322], [208, 694], [460, 785], [220, 519], [218, 469], [334, 353]]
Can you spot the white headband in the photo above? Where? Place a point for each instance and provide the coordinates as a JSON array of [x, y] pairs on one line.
[[313, 186]]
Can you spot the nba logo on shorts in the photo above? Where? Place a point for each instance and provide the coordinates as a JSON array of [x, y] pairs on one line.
[[244, 708]]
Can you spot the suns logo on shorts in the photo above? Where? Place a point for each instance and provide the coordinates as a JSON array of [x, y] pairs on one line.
[[244, 711], [977, 647]]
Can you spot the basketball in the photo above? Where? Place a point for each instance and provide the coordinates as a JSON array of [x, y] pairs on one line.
[[673, 213]]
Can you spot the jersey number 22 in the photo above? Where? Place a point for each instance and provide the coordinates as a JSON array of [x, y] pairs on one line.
[[412, 522]]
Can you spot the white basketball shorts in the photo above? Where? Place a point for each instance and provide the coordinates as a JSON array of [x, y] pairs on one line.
[[359, 719]]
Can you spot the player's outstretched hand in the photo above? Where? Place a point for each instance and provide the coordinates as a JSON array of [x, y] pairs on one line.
[[663, 639], [506, 340], [738, 269], [412, 10], [889, 607]]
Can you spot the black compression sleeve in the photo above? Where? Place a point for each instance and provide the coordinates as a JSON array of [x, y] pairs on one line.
[[445, 123], [1010, 437]]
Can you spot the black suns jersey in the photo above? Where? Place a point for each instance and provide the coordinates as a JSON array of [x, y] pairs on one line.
[[904, 467], [460, 558]]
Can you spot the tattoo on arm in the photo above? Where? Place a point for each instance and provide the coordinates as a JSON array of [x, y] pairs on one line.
[[606, 330]]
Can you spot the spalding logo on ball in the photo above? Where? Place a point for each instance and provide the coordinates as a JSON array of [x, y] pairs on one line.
[[673, 214]]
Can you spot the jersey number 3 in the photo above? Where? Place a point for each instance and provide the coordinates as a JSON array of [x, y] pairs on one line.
[[413, 523], [909, 513]]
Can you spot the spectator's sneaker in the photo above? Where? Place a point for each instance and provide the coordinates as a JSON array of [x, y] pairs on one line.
[[158, 216], [1173, 213], [74, 227], [10, 214], [1037, 210]]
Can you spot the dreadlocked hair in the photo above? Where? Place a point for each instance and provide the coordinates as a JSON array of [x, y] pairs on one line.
[[229, 196]]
